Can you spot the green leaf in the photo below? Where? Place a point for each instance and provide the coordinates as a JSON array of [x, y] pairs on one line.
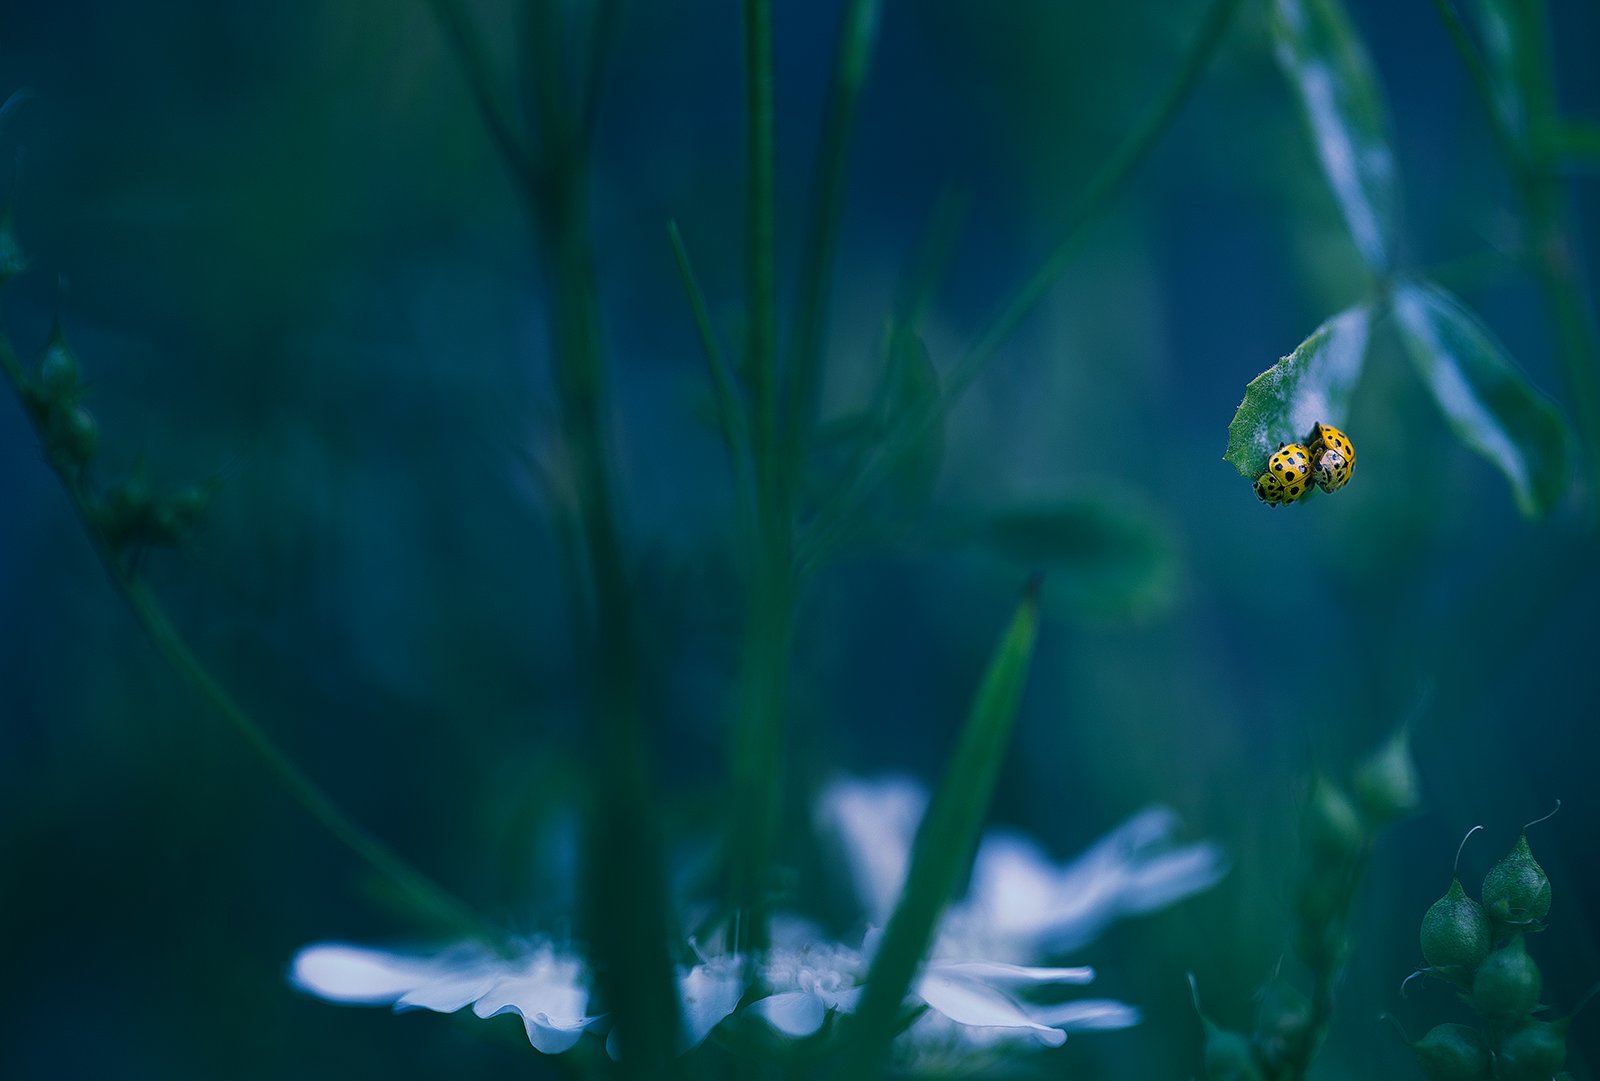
[[946, 840], [1103, 555], [1489, 403], [1328, 65], [1312, 384]]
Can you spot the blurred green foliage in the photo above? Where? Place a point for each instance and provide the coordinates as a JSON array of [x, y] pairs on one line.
[[284, 253]]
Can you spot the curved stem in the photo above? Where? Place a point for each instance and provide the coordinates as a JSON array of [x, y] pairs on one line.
[[153, 620]]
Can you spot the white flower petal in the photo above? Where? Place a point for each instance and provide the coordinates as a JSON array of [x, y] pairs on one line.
[[1171, 876], [449, 991], [875, 823], [1008, 975], [794, 1013], [540, 993], [710, 992], [359, 976], [1013, 888], [973, 1002], [550, 1035], [1096, 1015]]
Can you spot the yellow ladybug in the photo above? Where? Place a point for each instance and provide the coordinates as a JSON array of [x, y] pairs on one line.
[[1333, 457], [1290, 467], [1268, 490]]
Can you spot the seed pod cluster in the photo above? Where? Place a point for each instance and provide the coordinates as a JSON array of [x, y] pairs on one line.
[[131, 515], [1481, 950], [1339, 820]]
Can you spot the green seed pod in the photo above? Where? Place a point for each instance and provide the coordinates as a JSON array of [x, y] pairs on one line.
[[1386, 784], [1455, 933], [1516, 890], [1506, 985], [72, 436], [1453, 1053], [58, 370], [1533, 1052]]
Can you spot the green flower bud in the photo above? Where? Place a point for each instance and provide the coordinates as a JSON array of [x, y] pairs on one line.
[[1453, 1053], [1533, 1052], [1507, 983], [1386, 784], [1516, 890], [1229, 1056], [1455, 934], [1283, 1023]]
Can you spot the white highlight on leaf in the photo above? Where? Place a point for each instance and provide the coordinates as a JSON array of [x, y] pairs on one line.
[[1426, 315], [1360, 172], [1313, 383]]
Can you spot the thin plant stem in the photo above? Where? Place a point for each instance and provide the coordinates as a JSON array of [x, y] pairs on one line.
[[487, 96], [1558, 270], [417, 887], [1101, 190], [1510, 146], [731, 422], [857, 35]]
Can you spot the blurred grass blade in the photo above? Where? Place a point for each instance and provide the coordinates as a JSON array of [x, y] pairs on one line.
[[731, 421], [858, 33], [1325, 60], [1499, 30], [1312, 384], [1105, 555], [946, 839], [1490, 404]]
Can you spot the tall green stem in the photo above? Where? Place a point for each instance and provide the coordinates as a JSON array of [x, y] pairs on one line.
[[1531, 158], [626, 915], [1558, 270], [759, 727]]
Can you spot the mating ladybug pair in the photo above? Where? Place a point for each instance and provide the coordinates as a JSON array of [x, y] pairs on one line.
[[1327, 463]]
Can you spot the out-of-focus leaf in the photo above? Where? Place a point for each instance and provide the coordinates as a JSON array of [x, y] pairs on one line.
[[1499, 30], [946, 840], [1576, 141], [12, 259], [910, 389], [1312, 384], [1325, 60], [1490, 404], [1102, 555]]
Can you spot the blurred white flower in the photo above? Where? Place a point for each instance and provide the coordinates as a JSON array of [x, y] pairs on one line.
[[812, 978], [547, 989], [1020, 905]]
